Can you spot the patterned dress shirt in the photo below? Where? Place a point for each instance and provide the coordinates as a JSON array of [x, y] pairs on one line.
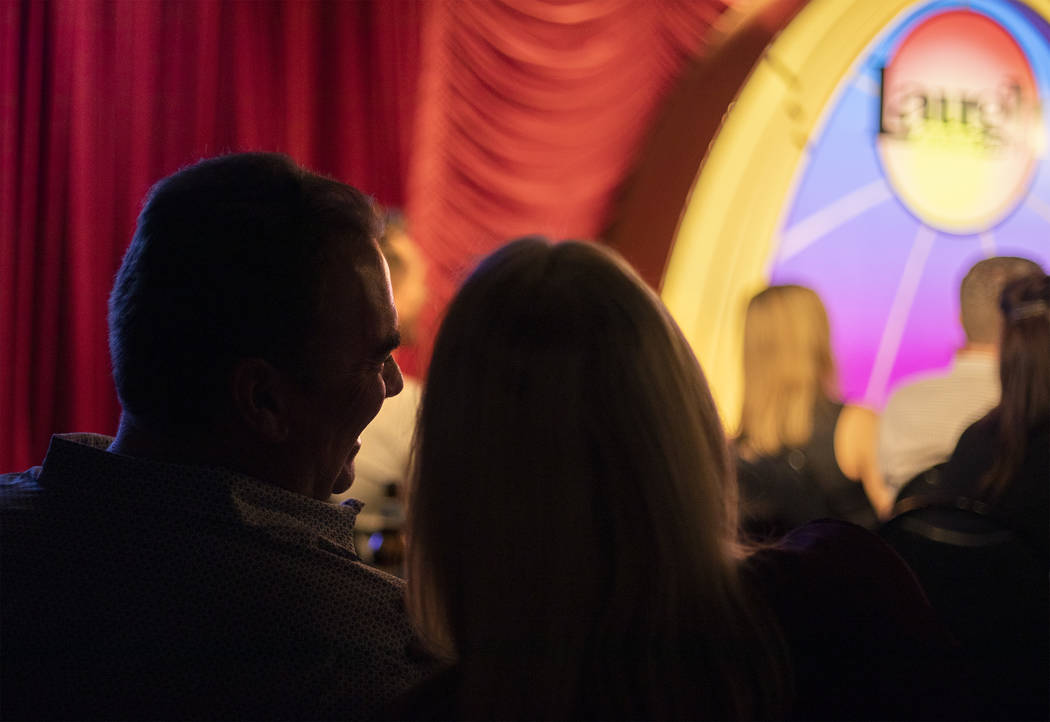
[[133, 589]]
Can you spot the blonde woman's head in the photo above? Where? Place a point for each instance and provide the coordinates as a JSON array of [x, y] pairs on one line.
[[573, 510], [788, 367]]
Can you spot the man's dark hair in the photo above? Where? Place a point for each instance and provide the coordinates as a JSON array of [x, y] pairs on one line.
[[226, 263], [979, 295]]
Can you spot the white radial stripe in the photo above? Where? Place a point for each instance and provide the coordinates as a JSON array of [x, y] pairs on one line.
[[1039, 206], [812, 228], [893, 331], [988, 244], [867, 84]]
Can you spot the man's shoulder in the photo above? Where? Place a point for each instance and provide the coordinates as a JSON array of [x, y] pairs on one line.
[[960, 383], [19, 479], [157, 578], [62, 445], [922, 385], [18, 492]]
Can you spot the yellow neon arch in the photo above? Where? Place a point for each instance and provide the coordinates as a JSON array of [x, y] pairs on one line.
[[724, 241]]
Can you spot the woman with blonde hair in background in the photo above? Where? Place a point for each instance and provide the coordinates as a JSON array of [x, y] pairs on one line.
[[573, 544], [801, 453]]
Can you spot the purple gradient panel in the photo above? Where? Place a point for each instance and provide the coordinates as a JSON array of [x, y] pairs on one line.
[[932, 333], [1026, 233], [855, 269], [1041, 181], [846, 152]]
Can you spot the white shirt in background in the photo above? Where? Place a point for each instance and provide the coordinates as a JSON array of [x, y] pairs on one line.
[[923, 420]]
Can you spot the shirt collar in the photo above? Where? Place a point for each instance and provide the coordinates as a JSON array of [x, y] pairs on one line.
[[976, 359], [214, 492]]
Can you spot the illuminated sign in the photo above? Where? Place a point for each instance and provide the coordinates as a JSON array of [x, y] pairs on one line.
[[876, 153], [959, 127], [929, 157]]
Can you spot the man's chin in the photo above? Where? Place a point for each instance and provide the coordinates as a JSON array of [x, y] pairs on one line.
[[345, 479]]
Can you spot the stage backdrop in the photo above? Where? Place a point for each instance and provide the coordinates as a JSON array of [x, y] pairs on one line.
[[875, 153], [529, 115]]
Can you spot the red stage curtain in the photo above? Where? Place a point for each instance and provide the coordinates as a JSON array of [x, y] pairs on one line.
[[532, 113], [99, 98]]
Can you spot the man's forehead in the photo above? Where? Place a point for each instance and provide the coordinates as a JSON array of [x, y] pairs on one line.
[[355, 267], [374, 279], [358, 293]]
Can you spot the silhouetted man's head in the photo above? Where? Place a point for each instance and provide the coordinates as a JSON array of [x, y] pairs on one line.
[[253, 290]]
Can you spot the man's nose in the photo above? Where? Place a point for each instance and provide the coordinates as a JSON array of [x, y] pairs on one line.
[[392, 378]]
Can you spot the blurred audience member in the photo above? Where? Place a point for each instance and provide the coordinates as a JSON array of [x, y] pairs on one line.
[[191, 568], [1004, 458], [801, 454], [573, 544], [387, 442], [986, 555], [923, 419]]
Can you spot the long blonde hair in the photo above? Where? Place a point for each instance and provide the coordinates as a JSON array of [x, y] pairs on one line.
[[788, 368], [573, 509]]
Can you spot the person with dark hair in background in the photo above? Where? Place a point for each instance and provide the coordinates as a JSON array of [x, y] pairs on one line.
[[1004, 458], [572, 529], [997, 603], [192, 567], [923, 419]]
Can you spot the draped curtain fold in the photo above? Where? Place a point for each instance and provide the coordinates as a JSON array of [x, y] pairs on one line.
[[529, 115], [100, 98]]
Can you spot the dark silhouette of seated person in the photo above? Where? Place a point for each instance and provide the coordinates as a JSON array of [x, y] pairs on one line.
[[978, 539], [1004, 458], [191, 567], [926, 415], [572, 526]]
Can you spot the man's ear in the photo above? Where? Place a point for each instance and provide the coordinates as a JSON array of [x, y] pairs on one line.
[[259, 397]]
